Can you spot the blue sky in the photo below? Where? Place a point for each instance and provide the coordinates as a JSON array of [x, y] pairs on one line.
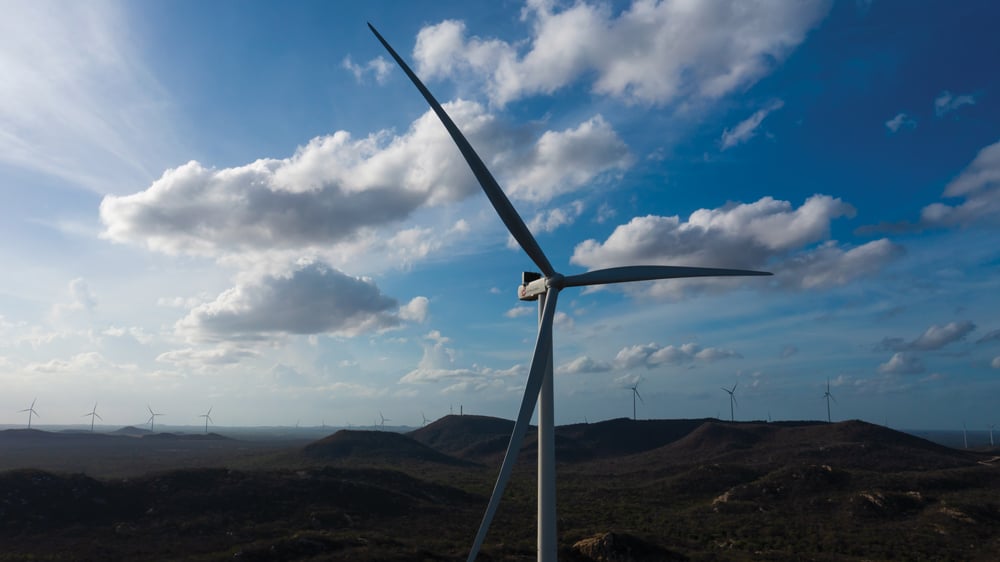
[[246, 206]]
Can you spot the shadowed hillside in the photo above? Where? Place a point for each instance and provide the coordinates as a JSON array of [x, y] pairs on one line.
[[375, 446], [467, 437], [850, 444]]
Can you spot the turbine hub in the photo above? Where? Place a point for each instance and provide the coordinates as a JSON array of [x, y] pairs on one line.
[[532, 285]]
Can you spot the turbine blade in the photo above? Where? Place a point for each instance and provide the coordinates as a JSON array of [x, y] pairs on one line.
[[650, 273], [539, 360], [98, 416], [640, 397], [497, 198]]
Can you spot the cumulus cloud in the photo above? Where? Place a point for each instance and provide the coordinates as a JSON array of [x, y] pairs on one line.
[[519, 311], [415, 310], [81, 362], [650, 52], [935, 337], [902, 364], [562, 161], [743, 235], [830, 265], [314, 299], [379, 67], [338, 189], [747, 128], [583, 364], [201, 358], [652, 355], [901, 121], [438, 366], [978, 185], [946, 102]]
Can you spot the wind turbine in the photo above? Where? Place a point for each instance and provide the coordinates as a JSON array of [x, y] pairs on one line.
[[543, 287], [965, 434], [828, 397], [732, 401], [635, 394], [425, 418], [31, 411], [384, 419], [991, 434], [93, 414], [152, 417], [208, 418]]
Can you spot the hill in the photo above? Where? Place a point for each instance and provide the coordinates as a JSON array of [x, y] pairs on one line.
[[467, 437], [375, 446], [850, 444]]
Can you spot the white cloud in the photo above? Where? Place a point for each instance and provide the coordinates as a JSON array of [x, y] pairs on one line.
[[946, 102], [788, 351], [378, 67], [979, 185], [562, 161], [336, 191], [830, 265], [747, 128], [739, 235], [75, 100], [583, 364], [415, 310], [935, 337], [651, 52], [900, 121], [438, 365], [311, 300], [902, 364], [652, 355], [996, 362], [519, 311], [86, 362], [206, 358]]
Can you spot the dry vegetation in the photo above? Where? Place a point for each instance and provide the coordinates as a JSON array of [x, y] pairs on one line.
[[646, 490]]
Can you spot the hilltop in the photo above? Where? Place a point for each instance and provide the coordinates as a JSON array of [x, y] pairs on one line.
[[374, 447]]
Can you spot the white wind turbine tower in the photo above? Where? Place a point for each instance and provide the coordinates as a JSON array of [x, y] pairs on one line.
[[732, 401], [152, 417], [208, 418], [384, 419], [991, 434], [965, 435], [93, 414], [828, 397], [31, 411], [635, 394], [543, 287]]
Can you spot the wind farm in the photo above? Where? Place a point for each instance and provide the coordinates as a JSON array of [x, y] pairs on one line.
[[532, 209]]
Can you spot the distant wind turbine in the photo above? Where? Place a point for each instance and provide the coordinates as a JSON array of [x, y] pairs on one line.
[[635, 394], [965, 435], [152, 417], [31, 411], [543, 287], [384, 419], [828, 397], [732, 401], [425, 418], [991, 434], [93, 414], [208, 418]]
